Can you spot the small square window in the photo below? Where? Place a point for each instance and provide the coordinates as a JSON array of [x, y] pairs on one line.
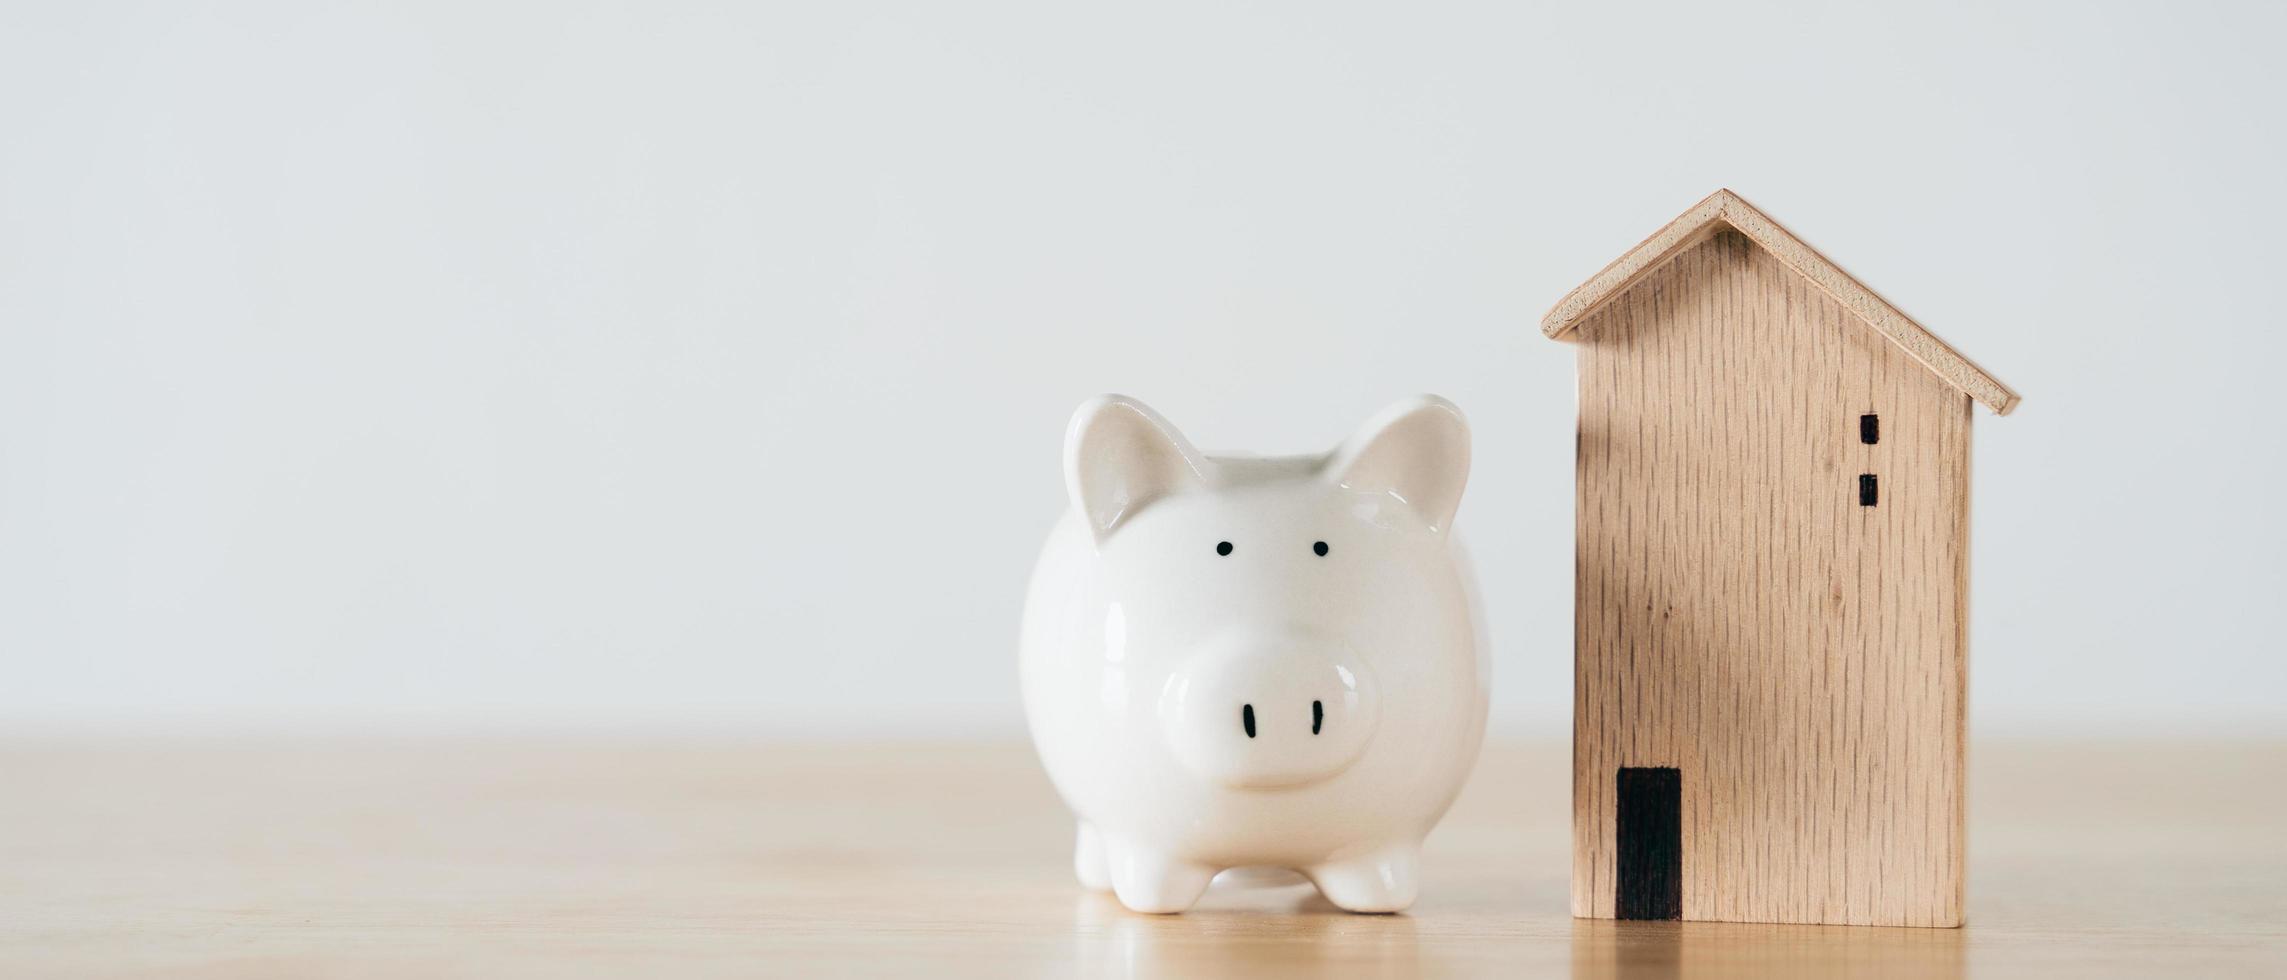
[[1867, 491], [1870, 429]]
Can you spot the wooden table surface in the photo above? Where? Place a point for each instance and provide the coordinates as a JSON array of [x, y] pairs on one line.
[[587, 856]]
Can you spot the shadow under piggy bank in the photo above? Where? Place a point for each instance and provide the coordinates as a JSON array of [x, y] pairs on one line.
[[1242, 928]]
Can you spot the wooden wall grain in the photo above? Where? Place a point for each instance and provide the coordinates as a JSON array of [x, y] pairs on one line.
[[1742, 618]]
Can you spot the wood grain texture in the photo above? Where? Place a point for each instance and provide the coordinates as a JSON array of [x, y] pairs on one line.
[[1725, 210], [589, 857], [1743, 618]]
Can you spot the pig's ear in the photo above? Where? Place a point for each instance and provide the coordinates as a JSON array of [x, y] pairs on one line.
[[1119, 456], [1416, 451]]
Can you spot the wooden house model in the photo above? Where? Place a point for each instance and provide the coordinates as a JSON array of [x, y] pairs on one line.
[[1771, 624]]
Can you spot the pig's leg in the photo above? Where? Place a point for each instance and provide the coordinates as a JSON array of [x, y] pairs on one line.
[[1385, 879], [1088, 860], [1152, 881]]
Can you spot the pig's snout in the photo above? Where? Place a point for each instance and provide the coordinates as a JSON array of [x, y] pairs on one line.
[[1275, 711]]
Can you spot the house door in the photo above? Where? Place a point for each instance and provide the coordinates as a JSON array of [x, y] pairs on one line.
[[1649, 834]]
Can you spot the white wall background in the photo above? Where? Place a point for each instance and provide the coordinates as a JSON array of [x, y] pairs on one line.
[[670, 364]]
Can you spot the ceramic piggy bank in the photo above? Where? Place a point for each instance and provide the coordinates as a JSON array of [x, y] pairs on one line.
[[1256, 662]]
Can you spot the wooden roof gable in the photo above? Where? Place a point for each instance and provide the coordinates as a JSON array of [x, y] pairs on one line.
[[1725, 209]]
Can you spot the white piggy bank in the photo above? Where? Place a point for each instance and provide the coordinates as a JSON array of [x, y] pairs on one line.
[[1248, 662]]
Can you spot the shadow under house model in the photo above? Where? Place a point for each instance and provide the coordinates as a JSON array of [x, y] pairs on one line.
[[1771, 622]]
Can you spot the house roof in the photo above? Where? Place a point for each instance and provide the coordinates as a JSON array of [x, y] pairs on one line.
[[1725, 209]]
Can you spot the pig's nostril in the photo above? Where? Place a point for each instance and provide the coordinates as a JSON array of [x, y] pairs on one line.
[[1247, 718], [1317, 716]]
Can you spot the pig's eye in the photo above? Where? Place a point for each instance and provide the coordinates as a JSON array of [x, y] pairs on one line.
[[1222, 547], [1319, 547]]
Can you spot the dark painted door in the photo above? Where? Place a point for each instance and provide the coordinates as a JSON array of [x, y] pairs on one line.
[[1650, 837]]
